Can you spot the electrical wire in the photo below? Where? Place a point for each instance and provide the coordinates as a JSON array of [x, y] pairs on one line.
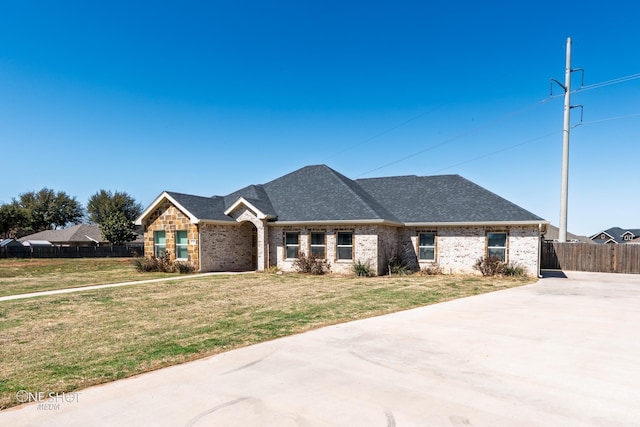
[[503, 119], [528, 141], [384, 132], [608, 83], [500, 119]]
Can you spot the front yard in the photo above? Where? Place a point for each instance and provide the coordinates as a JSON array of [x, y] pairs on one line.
[[66, 342]]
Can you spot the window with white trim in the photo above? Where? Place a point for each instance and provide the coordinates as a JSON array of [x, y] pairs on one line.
[[182, 244], [317, 246], [427, 246], [159, 243], [345, 246], [497, 245], [292, 244]]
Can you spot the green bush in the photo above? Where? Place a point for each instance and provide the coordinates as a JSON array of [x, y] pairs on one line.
[[362, 269], [514, 270], [311, 264]]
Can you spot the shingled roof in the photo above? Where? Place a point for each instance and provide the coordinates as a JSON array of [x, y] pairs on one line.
[[320, 194], [80, 233], [443, 198]]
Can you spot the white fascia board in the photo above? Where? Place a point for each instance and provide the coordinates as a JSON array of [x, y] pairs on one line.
[[340, 222], [155, 204], [599, 233], [476, 224], [243, 201]]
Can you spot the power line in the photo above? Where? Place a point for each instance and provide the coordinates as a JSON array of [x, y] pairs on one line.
[[500, 119], [609, 82], [528, 141], [389, 130], [608, 119], [492, 123]]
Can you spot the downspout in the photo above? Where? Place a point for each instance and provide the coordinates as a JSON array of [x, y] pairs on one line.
[[539, 251], [199, 249]]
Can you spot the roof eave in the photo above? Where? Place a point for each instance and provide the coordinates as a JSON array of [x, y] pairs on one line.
[[157, 201], [475, 223], [340, 222], [245, 202]]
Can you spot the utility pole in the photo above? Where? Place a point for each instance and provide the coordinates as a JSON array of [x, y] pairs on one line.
[[564, 191]]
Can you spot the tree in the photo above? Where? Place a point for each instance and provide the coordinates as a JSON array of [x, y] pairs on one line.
[[48, 210], [104, 203], [117, 229], [12, 218]]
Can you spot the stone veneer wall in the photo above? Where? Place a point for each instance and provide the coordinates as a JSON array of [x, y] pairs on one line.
[[166, 217], [458, 248]]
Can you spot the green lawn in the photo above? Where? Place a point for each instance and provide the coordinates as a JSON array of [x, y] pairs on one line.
[[67, 342]]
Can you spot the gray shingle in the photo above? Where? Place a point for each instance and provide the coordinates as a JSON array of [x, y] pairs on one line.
[[442, 198], [319, 193], [204, 208]]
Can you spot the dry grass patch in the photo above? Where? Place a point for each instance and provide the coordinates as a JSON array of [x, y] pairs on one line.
[[67, 342], [19, 276]]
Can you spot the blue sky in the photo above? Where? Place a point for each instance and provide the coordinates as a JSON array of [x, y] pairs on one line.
[[207, 97]]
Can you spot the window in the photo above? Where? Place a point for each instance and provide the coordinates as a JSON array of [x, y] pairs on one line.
[[292, 245], [497, 245], [182, 245], [427, 246], [345, 246], [159, 243], [317, 245]]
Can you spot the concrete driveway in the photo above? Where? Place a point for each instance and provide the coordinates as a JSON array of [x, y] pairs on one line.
[[561, 352]]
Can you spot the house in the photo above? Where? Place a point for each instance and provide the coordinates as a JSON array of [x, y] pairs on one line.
[[10, 248], [10, 243], [553, 233], [424, 220], [77, 235], [617, 235]]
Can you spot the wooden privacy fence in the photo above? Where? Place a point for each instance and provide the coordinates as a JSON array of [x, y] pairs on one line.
[[608, 258], [71, 251]]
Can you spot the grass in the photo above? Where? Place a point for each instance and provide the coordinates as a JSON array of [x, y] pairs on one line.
[[67, 342], [19, 276]]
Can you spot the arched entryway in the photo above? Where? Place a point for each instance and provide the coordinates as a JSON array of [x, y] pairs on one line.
[[247, 246]]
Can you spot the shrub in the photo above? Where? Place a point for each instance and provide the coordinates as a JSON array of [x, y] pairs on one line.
[[148, 264], [272, 269], [514, 270], [490, 266], [311, 264], [432, 270], [183, 267], [161, 265], [398, 266], [362, 269]]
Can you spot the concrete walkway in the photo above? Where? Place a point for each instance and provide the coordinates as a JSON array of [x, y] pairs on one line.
[[110, 285], [561, 352]]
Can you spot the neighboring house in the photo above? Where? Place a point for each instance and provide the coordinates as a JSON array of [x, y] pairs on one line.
[[10, 248], [553, 233], [9, 243], [445, 219], [78, 235], [617, 235]]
